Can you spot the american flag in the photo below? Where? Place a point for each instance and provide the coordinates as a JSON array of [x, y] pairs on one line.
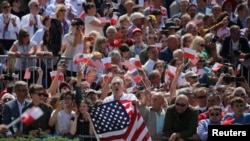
[[118, 120]]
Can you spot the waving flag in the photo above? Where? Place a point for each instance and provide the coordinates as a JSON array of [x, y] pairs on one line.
[[138, 61], [170, 71], [83, 58], [189, 53], [78, 58], [53, 75], [135, 75], [107, 62], [31, 115], [118, 120], [216, 67]]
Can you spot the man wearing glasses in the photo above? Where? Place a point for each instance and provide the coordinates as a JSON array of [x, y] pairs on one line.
[[181, 120], [41, 125], [13, 109]]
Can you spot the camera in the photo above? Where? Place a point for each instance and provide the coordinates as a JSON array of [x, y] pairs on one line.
[[215, 39], [8, 77]]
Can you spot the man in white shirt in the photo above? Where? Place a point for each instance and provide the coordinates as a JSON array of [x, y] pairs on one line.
[[9, 26], [32, 21], [117, 86]]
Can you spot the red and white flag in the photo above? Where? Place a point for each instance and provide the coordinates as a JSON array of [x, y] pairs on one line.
[[128, 64], [126, 125], [216, 67], [78, 58], [53, 75], [170, 71], [158, 46], [189, 53], [237, 72], [135, 75], [106, 77], [107, 62], [138, 61], [32, 114]]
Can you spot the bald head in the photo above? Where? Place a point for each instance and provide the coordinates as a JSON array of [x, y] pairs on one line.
[[172, 42]]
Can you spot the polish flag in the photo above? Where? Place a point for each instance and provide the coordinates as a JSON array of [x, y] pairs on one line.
[[216, 67], [106, 77], [128, 64], [237, 72], [189, 53], [135, 75], [107, 62], [158, 46], [194, 61], [137, 61], [30, 115], [127, 75], [53, 75], [170, 71]]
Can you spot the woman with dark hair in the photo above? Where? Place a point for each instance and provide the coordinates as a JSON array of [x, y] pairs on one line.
[[161, 67], [92, 23], [81, 124], [24, 48], [43, 50]]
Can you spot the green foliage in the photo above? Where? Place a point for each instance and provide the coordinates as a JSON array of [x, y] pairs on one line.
[[30, 138]]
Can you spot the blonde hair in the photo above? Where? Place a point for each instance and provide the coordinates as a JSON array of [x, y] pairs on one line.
[[58, 8], [185, 37], [195, 43]]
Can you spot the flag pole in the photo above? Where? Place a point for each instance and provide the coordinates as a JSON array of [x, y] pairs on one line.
[[14, 122]]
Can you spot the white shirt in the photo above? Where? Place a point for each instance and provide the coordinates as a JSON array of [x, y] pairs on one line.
[[130, 97], [25, 23], [38, 36], [11, 32], [89, 27], [76, 5]]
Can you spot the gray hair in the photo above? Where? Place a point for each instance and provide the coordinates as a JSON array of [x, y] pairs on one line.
[[153, 74], [208, 37], [114, 54], [176, 52], [111, 28], [19, 84], [32, 2]]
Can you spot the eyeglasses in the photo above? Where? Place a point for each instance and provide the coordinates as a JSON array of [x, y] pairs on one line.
[[202, 45], [202, 61], [202, 97], [193, 77], [7, 99], [180, 104], [36, 5], [116, 83], [62, 10], [22, 90], [25, 36], [239, 94], [40, 94], [5, 7], [214, 114]]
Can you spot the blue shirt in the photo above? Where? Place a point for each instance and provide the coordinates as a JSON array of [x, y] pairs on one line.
[[243, 119], [160, 121]]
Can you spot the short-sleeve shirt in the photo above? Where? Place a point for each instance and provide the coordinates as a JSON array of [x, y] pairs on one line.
[[130, 97]]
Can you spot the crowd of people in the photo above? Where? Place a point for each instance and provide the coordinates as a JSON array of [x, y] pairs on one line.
[[148, 44]]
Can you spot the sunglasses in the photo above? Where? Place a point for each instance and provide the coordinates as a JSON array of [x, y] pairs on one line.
[[36, 5], [40, 94], [239, 94], [214, 114], [180, 104], [202, 45], [7, 99], [193, 77], [22, 90], [5, 7], [202, 97], [62, 10], [201, 61]]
